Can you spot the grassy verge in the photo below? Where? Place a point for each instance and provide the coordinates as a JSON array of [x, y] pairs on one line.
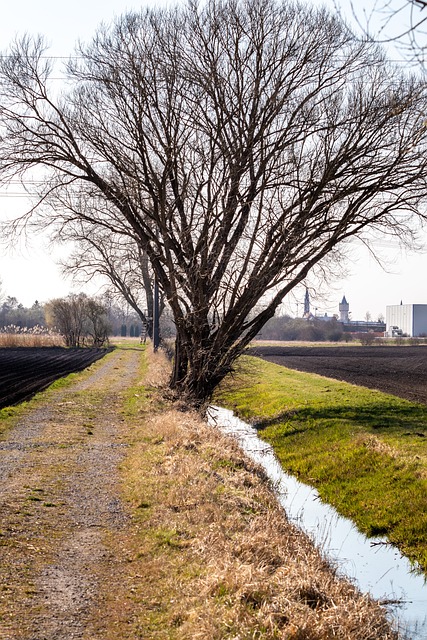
[[211, 554], [364, 451]]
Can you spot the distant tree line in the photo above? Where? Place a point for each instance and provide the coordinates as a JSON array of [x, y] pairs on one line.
[[81, 319], [313, 330], [12, 312]]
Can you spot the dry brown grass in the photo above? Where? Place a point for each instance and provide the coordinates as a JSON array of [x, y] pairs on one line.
[[11, 340], [215, 556]]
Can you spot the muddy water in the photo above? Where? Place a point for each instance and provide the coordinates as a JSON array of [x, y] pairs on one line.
[[375, 566]]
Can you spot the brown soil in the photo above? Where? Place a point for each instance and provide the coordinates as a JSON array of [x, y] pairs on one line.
[[26, 370], [400, 371]]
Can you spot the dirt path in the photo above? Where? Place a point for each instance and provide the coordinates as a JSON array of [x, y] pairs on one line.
[[60, 504]]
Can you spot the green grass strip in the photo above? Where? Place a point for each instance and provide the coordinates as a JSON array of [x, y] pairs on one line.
[[363, 450]]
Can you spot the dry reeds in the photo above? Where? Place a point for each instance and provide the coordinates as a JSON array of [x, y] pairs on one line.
[[218, 557], [14, 336]]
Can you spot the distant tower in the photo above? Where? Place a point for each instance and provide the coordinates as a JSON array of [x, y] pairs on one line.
[[344, 309], [306, 304]]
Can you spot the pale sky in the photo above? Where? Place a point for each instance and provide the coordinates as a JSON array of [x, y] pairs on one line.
[[30, 273]]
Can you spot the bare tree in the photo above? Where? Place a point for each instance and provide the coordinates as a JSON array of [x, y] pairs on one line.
[[238, 143], [117, 258], [80, 319]]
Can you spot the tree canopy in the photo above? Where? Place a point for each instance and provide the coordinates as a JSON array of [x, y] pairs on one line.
[[238, 143]]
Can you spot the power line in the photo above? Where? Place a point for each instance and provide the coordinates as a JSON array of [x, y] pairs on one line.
[[6, 56], [15, 195], [29, 181]]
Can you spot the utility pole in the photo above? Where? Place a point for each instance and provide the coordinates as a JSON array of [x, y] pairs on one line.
[[156, 307]]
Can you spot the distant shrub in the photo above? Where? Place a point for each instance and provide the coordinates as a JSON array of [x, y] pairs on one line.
[[309, 330], [367, 339], [37, 330], [81, 320]]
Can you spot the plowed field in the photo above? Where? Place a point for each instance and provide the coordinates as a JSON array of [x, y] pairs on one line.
[[401, 371], [26, 370]]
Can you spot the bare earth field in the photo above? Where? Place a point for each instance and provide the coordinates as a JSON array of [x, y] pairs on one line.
[[398, 370], [26, 370]]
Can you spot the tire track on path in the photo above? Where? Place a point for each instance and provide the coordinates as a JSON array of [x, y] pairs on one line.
[[60, 501]]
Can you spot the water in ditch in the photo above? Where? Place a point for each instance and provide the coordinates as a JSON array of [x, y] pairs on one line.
[[375, 566]]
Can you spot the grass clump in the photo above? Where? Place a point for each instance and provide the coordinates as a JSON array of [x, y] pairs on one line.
[[364, 451]]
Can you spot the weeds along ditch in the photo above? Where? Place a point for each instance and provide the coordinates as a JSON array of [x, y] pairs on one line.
[[26, 370], [375, 566], [364, 451]]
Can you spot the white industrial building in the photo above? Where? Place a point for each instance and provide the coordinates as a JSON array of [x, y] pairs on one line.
[[406, 320]]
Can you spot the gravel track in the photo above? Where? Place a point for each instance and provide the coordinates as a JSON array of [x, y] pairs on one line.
[[60, 504]]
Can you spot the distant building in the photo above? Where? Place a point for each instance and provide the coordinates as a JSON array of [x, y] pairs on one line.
[[363, 326], [406, 320], [349, 326], [376, 328], [307, 312], [344, 308]]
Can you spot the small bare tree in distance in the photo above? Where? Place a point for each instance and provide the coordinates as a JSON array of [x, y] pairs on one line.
[[80, 319], [238, 142], [117, 258]]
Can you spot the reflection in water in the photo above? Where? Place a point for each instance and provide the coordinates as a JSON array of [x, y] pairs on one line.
[[375, 566]]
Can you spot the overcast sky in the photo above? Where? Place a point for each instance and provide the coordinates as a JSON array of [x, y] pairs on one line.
[[30, 273]]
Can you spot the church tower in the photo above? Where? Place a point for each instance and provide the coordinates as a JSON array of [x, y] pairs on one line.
[[344, 309], [306, 304]]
